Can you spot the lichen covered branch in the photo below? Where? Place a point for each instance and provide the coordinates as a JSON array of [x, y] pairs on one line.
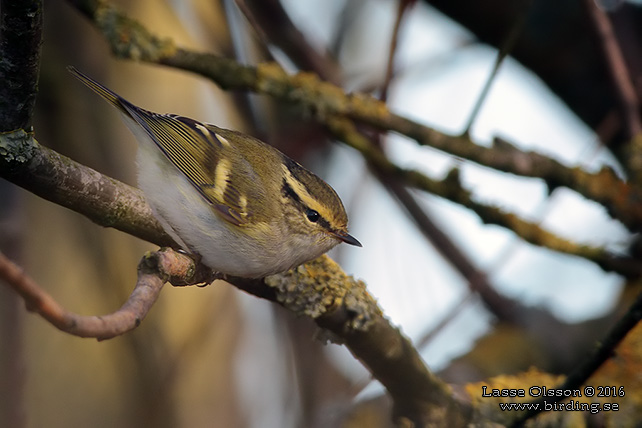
[[58, 179]]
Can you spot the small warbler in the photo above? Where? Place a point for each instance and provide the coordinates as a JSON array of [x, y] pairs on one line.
[[247, 209]]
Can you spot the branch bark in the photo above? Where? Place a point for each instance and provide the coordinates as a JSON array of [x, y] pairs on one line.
[[56, 178], [20, 39]]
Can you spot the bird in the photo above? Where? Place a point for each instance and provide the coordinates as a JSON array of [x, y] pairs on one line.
[[239, 204]]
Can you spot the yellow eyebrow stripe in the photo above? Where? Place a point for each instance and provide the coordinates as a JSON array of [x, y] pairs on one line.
[[305, 196]]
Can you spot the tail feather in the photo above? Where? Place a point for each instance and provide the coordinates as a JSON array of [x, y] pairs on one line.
[[110, 96]]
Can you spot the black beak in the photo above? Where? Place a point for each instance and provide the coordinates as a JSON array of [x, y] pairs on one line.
[[347, 238]]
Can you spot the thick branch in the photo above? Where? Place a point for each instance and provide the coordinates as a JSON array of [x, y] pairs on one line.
[[339, 303], [20, 39], [58, 179]]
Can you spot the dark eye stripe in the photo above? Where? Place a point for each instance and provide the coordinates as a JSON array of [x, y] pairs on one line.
[[289, 192]]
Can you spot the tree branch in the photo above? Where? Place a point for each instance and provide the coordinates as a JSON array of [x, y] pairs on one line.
[[450, 188], [272, 23], [627, 97], [20, 39], [507, 46], [56, 178], [403, 8], [629, 103], [153, 271]]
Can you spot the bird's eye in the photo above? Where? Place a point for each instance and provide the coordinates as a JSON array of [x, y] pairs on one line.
[[312, 215]]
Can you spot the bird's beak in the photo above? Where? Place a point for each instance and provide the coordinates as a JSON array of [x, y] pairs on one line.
[[345, 237]]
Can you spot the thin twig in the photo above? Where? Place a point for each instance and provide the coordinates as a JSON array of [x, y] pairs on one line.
[[629, 102], [274, 26], [502, 53], [128, 317], [450, 316], [402, 8], [505, 309]]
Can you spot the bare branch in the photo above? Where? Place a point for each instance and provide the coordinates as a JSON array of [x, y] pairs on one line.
[[403, 8], [507, 46], [153, 271], [628, 99], [629, 102], [272, 23], [503, 308]]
